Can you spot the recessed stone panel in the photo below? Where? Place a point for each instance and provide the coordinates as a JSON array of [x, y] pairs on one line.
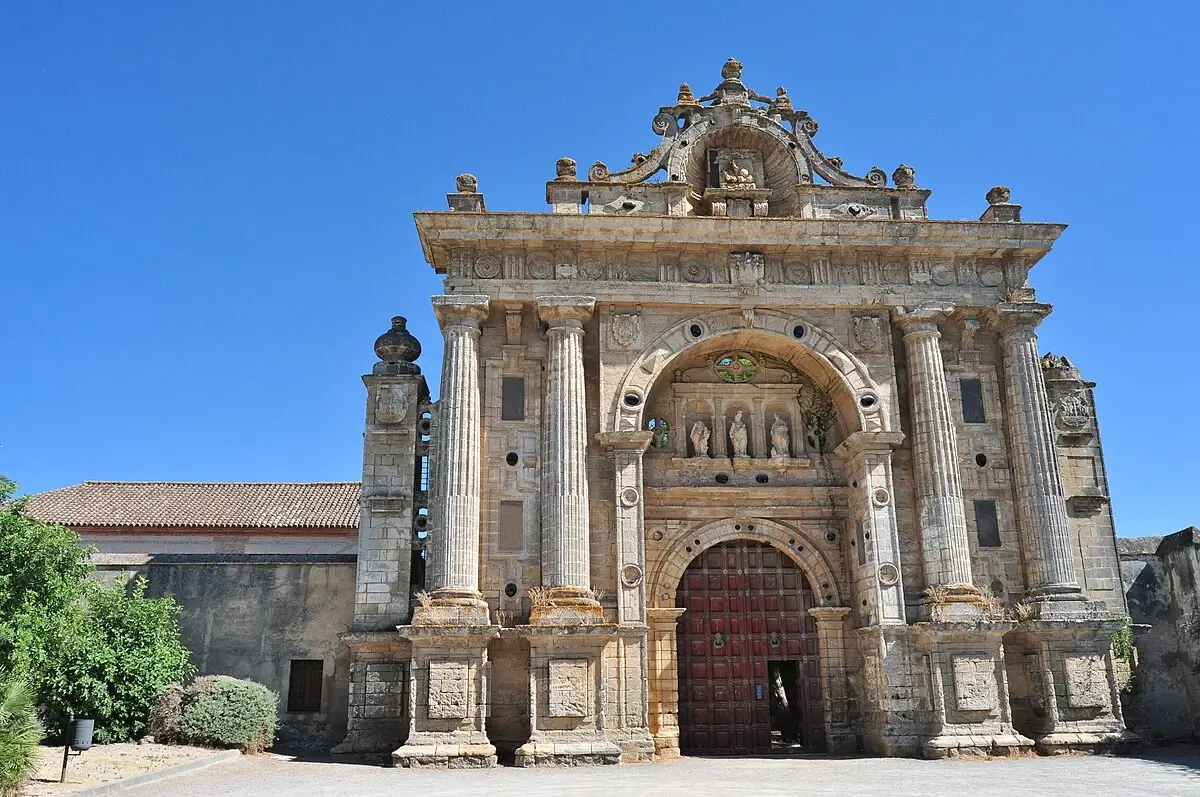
[[568, 692], [448, 683], [974, 682], [1087, 681]]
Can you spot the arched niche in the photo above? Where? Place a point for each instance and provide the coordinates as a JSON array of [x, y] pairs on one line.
[[859, 402]]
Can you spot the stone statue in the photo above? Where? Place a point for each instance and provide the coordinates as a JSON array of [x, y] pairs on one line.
[[736, 177], [779, 438], [737, 435], [700, 435]]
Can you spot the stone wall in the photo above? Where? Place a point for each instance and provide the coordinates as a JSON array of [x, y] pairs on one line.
[[250, 616], [1162, 583]]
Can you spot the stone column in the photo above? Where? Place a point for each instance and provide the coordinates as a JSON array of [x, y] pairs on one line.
[[1041, 508], [943, 522], [566, 558], [453, 575], [832, 662], [663, 677]]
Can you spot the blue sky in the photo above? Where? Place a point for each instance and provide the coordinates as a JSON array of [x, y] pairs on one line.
[[205, 207]]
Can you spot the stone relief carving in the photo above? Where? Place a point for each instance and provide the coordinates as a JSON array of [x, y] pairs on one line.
[[625, 329], [591, 268], [1087, 681], [568, 691], [974, 682], [853, 210], [747, 271], [700, 435], [942, 273], [540, 268], [796, 273], [487, 267], [868, 332], [738, 437], [448, 682], [694, 271], [1073, 411], [391, 404]]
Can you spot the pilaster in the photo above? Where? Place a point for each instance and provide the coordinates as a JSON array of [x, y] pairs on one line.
[[836, 697], [663, 679]]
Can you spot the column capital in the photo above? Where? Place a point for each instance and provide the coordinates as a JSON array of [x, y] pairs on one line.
[[860, 442], [625, 440], [828, 614], [924, 317], [1017, 317], [455, 310], [665, 616], [565, 311]]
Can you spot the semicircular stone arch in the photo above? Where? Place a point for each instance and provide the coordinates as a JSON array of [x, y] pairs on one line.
[[794, 543], [783, 164], [860, 402]]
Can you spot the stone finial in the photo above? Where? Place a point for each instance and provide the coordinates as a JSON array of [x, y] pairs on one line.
[[467, 183], [782, 104], [398, 348], [904, 176], [999, 207], [565, 169], [686, 98], [999, 195], [467, 197], [732, 70], [1060, 368]]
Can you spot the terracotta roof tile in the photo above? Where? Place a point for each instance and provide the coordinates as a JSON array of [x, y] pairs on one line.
[[201, 505]]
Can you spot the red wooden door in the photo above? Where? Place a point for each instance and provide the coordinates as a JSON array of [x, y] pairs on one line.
[[747, 608]]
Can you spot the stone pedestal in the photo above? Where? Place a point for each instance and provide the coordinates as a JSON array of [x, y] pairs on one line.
[[969, 690], [567, 697], [447, 688], [377, 719], [944, 547], [1068, 692], [891, 709]]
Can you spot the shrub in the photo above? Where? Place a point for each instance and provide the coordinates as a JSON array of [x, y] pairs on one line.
[[20, 733], [219, 711]]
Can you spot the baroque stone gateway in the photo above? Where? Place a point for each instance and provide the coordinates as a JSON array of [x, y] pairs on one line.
[[735, 450]]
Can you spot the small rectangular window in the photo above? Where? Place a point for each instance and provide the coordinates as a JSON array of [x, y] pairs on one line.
[[512, 398], [304, 685], [972, 401], [987, 526], [512, 526], [862, 542]]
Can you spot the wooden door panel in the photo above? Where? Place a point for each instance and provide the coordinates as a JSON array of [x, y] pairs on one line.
[[747, 604]]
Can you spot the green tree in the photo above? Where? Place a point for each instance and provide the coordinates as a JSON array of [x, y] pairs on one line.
[[89, 649], [20, 733]]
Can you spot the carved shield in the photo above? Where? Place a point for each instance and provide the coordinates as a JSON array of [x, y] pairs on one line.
[[868, 333], [391, 404], [625, 329]]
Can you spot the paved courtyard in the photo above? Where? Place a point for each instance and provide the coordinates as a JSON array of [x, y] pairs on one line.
[[1162, 773]]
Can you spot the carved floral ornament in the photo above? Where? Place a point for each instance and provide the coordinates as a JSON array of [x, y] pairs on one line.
[[733, 103]]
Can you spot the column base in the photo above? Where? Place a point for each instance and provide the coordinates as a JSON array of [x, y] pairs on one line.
[[1118, 742], [451, 607], [555, 753], [973, 746], [429, 751], [566, 606], [952, 603]]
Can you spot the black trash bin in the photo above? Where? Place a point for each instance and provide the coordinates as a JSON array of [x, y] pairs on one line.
[[81, 735]]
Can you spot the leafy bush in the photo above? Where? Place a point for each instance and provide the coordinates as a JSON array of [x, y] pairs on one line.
[[20, 733], [218, 711], [104, 652], [124, 652]]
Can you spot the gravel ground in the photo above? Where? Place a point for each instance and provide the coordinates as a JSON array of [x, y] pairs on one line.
[[105, 763], [1168, 772]]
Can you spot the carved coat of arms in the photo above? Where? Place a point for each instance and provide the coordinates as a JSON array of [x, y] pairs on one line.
[[868, 333], [1073, 411], [747, 271], [625, 329], [391, 404]]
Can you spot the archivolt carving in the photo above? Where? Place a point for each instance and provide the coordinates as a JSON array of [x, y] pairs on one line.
[[814, 348], [797, 544]]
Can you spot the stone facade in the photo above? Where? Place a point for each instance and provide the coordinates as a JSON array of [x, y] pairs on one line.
[[735, 339]]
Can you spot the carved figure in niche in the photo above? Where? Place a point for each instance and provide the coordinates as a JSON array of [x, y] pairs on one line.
[[737, 435], [700, 435], [780, 447], [736, 175]]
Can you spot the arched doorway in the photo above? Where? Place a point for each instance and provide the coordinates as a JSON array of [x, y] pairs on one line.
[[748, 672]]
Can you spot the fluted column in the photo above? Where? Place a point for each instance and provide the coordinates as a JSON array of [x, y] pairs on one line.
[[454, 541], [944, 546], [566, 560], [1037, 477]]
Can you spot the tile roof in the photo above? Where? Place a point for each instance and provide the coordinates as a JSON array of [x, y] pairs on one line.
[[201, 505]]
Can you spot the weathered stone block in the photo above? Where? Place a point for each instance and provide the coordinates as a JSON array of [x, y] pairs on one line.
[[448, 689], [1086, 681], [974, 682], [569, 693]]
